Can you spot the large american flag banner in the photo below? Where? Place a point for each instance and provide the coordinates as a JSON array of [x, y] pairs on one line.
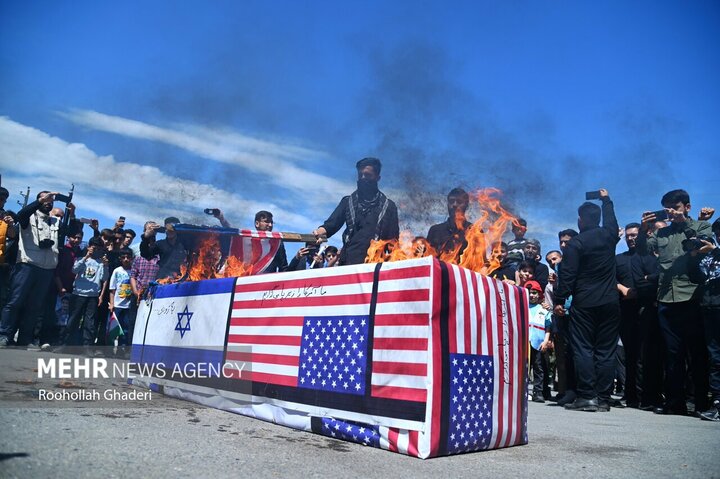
[[418, 357], [487, 349]]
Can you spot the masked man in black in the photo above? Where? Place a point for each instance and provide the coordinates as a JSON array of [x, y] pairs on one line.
[[367, 215]]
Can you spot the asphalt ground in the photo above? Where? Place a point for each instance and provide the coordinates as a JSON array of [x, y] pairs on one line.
[[168, 437]]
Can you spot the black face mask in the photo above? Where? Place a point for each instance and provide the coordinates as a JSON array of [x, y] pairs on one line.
[[367, 187]]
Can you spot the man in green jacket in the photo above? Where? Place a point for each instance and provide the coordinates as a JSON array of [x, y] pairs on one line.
[[678, 304]]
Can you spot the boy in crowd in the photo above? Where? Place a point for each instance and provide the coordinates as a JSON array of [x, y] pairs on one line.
[[506, 270], [129, 238], [91, 273], [307, 257], [517, 244], [121, 298], [539, 322], [553, 258], [526, 272], [331, 255], [69, 253], [143, 272]]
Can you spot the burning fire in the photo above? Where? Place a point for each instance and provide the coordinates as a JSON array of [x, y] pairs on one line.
[[207, 263], [481, 236], [407, 247]]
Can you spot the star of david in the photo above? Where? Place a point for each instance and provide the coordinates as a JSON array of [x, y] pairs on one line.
[[179, 327]]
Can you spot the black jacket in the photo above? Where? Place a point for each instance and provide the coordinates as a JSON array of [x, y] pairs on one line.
[[640, 272], [172, 256], [541, 274], [279, 262], [505, 271], [588, 265], [445, 237], [355, 247]]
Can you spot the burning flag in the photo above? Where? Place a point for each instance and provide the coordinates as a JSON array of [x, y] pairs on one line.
[[229, 252]]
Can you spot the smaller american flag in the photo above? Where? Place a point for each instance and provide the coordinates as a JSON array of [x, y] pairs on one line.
[[256, 248], [333, 354], [471, 402]]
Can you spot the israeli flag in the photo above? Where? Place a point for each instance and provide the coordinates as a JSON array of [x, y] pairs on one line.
[[180, 327]]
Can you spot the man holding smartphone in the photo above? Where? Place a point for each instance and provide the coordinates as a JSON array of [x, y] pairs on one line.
[[678, 302], [171, 250], [35, 267], [588, 275]]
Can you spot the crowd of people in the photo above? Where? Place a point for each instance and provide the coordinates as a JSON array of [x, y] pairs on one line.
[[644, 324], [601, 325]]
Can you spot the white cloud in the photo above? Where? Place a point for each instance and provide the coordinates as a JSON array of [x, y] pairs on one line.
[[104, 184], [274, 161]]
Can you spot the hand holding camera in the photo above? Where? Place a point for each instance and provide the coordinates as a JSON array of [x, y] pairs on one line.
[[306, 250], [596, 195], [152, 228], [675, 216], [699, 244], [651, 217]]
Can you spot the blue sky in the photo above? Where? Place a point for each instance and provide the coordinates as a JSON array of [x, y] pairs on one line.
[[158, 108]]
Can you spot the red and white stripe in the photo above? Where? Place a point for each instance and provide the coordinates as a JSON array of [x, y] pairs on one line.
[[402, 441], [268, 314], [260, 234], [488, 321], [257, 248]]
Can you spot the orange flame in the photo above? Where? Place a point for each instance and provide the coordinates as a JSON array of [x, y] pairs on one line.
[[206, 263], [485, 233], [234, 267], [407, 247]]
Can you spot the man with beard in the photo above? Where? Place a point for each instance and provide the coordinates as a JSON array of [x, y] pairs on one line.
[[563, 345], [449, 236], [367, 215], [679, 312], [264, 222], [35, 268], [531, 251], [637, 285]]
